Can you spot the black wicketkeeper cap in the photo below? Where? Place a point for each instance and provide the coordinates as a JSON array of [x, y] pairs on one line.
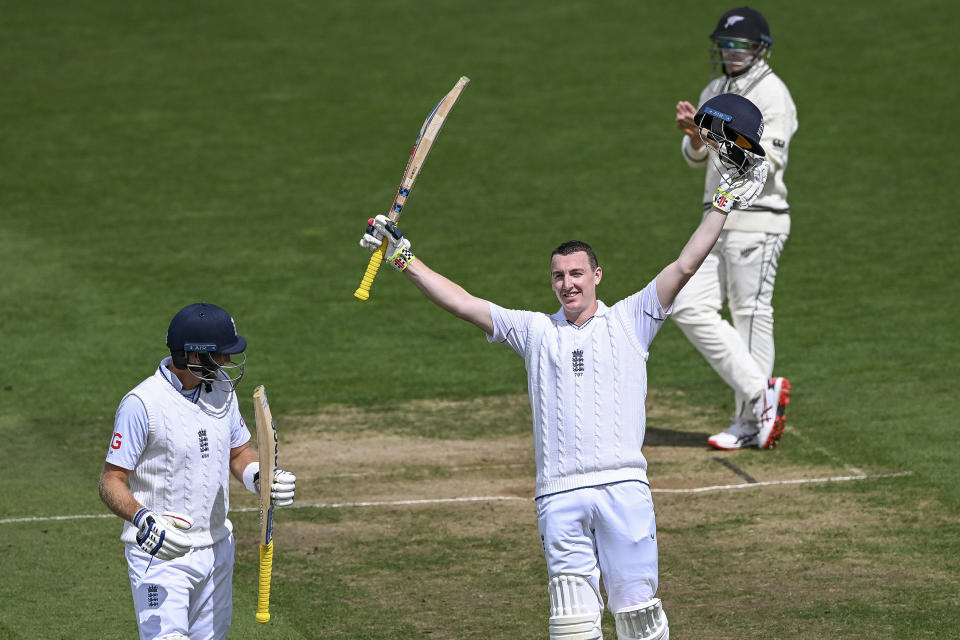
[[743, 23]]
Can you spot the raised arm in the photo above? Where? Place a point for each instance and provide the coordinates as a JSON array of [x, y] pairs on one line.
[[442, 291], [676, 274], [744, 190]]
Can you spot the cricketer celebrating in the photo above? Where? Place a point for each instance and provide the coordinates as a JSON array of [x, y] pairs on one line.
[[177, 436], [743, 265], [586, 375]]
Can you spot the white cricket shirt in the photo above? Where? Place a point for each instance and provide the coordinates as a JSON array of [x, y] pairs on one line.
[[587, 388], [177, 448]]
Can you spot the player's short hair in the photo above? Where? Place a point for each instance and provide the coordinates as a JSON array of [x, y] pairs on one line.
[[573, 246]]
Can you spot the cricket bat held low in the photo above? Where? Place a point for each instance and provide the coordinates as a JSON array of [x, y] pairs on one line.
[[268, 448]]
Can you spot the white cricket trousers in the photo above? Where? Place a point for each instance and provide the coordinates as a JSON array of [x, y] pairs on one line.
[[740, 269], [607, 531], [192, 595]]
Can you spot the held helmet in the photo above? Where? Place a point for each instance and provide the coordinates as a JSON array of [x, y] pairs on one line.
[[731, 126], [206, 329], [742, 37]]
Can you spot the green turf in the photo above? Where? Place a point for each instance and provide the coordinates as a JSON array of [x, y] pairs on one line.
[[159, 154]]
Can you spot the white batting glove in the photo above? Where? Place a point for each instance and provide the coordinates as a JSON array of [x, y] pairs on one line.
[[283, 487], [743, 190], [398, 251], [161, 536]]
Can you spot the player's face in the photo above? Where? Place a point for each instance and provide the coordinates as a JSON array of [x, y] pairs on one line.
[[736, 55], [575, 283], [220, 358]]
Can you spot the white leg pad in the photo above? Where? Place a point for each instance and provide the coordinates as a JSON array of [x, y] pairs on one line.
[[645, 621], [575, 609]]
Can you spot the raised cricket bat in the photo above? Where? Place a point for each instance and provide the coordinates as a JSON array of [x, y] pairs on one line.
[[268, 448], [428, 133]]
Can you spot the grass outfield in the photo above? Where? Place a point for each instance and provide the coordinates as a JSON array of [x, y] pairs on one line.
[[157, 155]]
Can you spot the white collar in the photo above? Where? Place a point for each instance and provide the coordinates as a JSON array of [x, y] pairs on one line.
[[192, 394], [601, 311]]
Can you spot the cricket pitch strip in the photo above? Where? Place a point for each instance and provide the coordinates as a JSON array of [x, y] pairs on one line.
[[408, 507], [344, 456]]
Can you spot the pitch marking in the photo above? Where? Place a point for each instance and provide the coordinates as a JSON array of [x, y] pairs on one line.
[[770, 483], [393, 503], [404, 470], [737, 470], [850, 468]]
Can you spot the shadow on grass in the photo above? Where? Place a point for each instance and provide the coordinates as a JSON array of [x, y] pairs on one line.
[[656, 437]]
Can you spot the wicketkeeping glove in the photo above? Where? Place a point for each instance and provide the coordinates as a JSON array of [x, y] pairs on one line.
[[283, 487], [161, 536], [398, 251], [742, 190]]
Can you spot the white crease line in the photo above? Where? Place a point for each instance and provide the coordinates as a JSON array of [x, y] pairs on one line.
[[829, 456], [404, 470], [394, 503], [771, 483], [53, 518]]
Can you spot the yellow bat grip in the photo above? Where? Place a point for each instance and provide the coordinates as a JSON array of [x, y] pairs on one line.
[[263, 594], [363, 291]]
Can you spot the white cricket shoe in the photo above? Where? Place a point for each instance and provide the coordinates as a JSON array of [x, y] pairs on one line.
[[741, 434], [771, 412]]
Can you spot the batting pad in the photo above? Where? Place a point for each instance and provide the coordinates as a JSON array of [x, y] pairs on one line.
[[645, 621], [575, 609]]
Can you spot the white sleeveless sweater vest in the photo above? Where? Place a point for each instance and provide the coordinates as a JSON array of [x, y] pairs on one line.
[[587, 387], [185, 465]]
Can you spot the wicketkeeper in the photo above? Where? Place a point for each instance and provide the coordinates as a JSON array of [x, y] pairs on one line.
[[742, 267]]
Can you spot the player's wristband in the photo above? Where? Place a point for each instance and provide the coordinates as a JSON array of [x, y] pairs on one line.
[[250, 473], [723, 201], [401, 259]]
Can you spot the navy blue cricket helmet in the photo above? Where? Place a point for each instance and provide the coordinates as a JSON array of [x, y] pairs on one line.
[[732, 117], [732, 126], [206, 329]]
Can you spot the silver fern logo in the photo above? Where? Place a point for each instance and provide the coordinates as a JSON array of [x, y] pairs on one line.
[[578, 362]]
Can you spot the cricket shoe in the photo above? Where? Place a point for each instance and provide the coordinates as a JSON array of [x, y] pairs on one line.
[[741, 434], [772, 414]]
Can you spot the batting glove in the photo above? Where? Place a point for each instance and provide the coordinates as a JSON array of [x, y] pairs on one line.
[[283, 487], [161, 536], [398, 251], [743, 190]]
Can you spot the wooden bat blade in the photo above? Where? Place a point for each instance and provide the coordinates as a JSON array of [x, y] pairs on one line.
[[421, 148], [268, 450]]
